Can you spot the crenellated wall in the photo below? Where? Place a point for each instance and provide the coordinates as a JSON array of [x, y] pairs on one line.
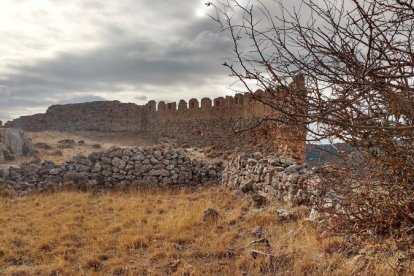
[[209, 122]]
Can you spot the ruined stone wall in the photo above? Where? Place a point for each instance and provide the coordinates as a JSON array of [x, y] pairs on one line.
[[206, 123], [220, 122], [99, 116]]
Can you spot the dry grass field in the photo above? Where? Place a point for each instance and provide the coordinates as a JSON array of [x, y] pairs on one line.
[[163, 232]]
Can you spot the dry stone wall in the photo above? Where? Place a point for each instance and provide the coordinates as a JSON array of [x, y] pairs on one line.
[[273, 177], [115, 167], [209, 122]]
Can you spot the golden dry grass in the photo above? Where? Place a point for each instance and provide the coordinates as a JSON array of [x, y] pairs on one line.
[[146, 232]]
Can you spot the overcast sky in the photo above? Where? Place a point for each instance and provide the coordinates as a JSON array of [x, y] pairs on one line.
[[55, 51]]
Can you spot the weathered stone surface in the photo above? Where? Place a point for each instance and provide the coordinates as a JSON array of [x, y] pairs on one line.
[[3, 149], [159, 172], [157, 154], [128, 153], [314, 215], [66, 143], [55, 171], [154, 161], [106, 160], [14, 143], [276, 177], [73, 176], [259, 200], [118, 163], [210, 214], [293, 168], [259, 232], [138, 157], [247, 186], [283, 215]]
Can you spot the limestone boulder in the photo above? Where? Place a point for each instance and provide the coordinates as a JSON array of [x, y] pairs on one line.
[[3, 149], [14, 143]]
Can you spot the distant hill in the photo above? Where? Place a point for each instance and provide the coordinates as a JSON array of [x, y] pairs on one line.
[[324, 153]]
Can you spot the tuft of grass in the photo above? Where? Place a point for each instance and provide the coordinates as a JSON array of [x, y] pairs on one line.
[[161, 232]]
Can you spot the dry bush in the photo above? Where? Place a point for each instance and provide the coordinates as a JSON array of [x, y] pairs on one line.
[[373, 199], [355, 59]]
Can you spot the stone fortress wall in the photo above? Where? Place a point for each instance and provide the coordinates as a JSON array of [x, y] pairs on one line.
[[206, 123], [99, 116]]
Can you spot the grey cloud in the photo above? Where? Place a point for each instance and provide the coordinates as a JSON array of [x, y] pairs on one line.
[[82, 99], [132, 63], [141, 98], [17, 102], [12, 107], [199, 26], [135, 54]]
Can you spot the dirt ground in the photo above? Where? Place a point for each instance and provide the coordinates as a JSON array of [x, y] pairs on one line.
[[93, 141], [48, 145]]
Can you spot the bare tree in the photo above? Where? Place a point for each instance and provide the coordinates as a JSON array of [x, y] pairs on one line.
[[357, 60]]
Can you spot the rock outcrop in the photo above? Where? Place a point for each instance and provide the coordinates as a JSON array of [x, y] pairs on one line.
[[14, 143]]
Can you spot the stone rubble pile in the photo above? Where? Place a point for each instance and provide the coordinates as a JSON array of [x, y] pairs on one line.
[[115, 167], [272, 177]]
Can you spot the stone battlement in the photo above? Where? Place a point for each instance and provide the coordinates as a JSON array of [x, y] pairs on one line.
[[221, 103], [209, 122]]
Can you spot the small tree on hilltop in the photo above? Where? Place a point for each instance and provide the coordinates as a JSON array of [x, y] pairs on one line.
[[357, 59]]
